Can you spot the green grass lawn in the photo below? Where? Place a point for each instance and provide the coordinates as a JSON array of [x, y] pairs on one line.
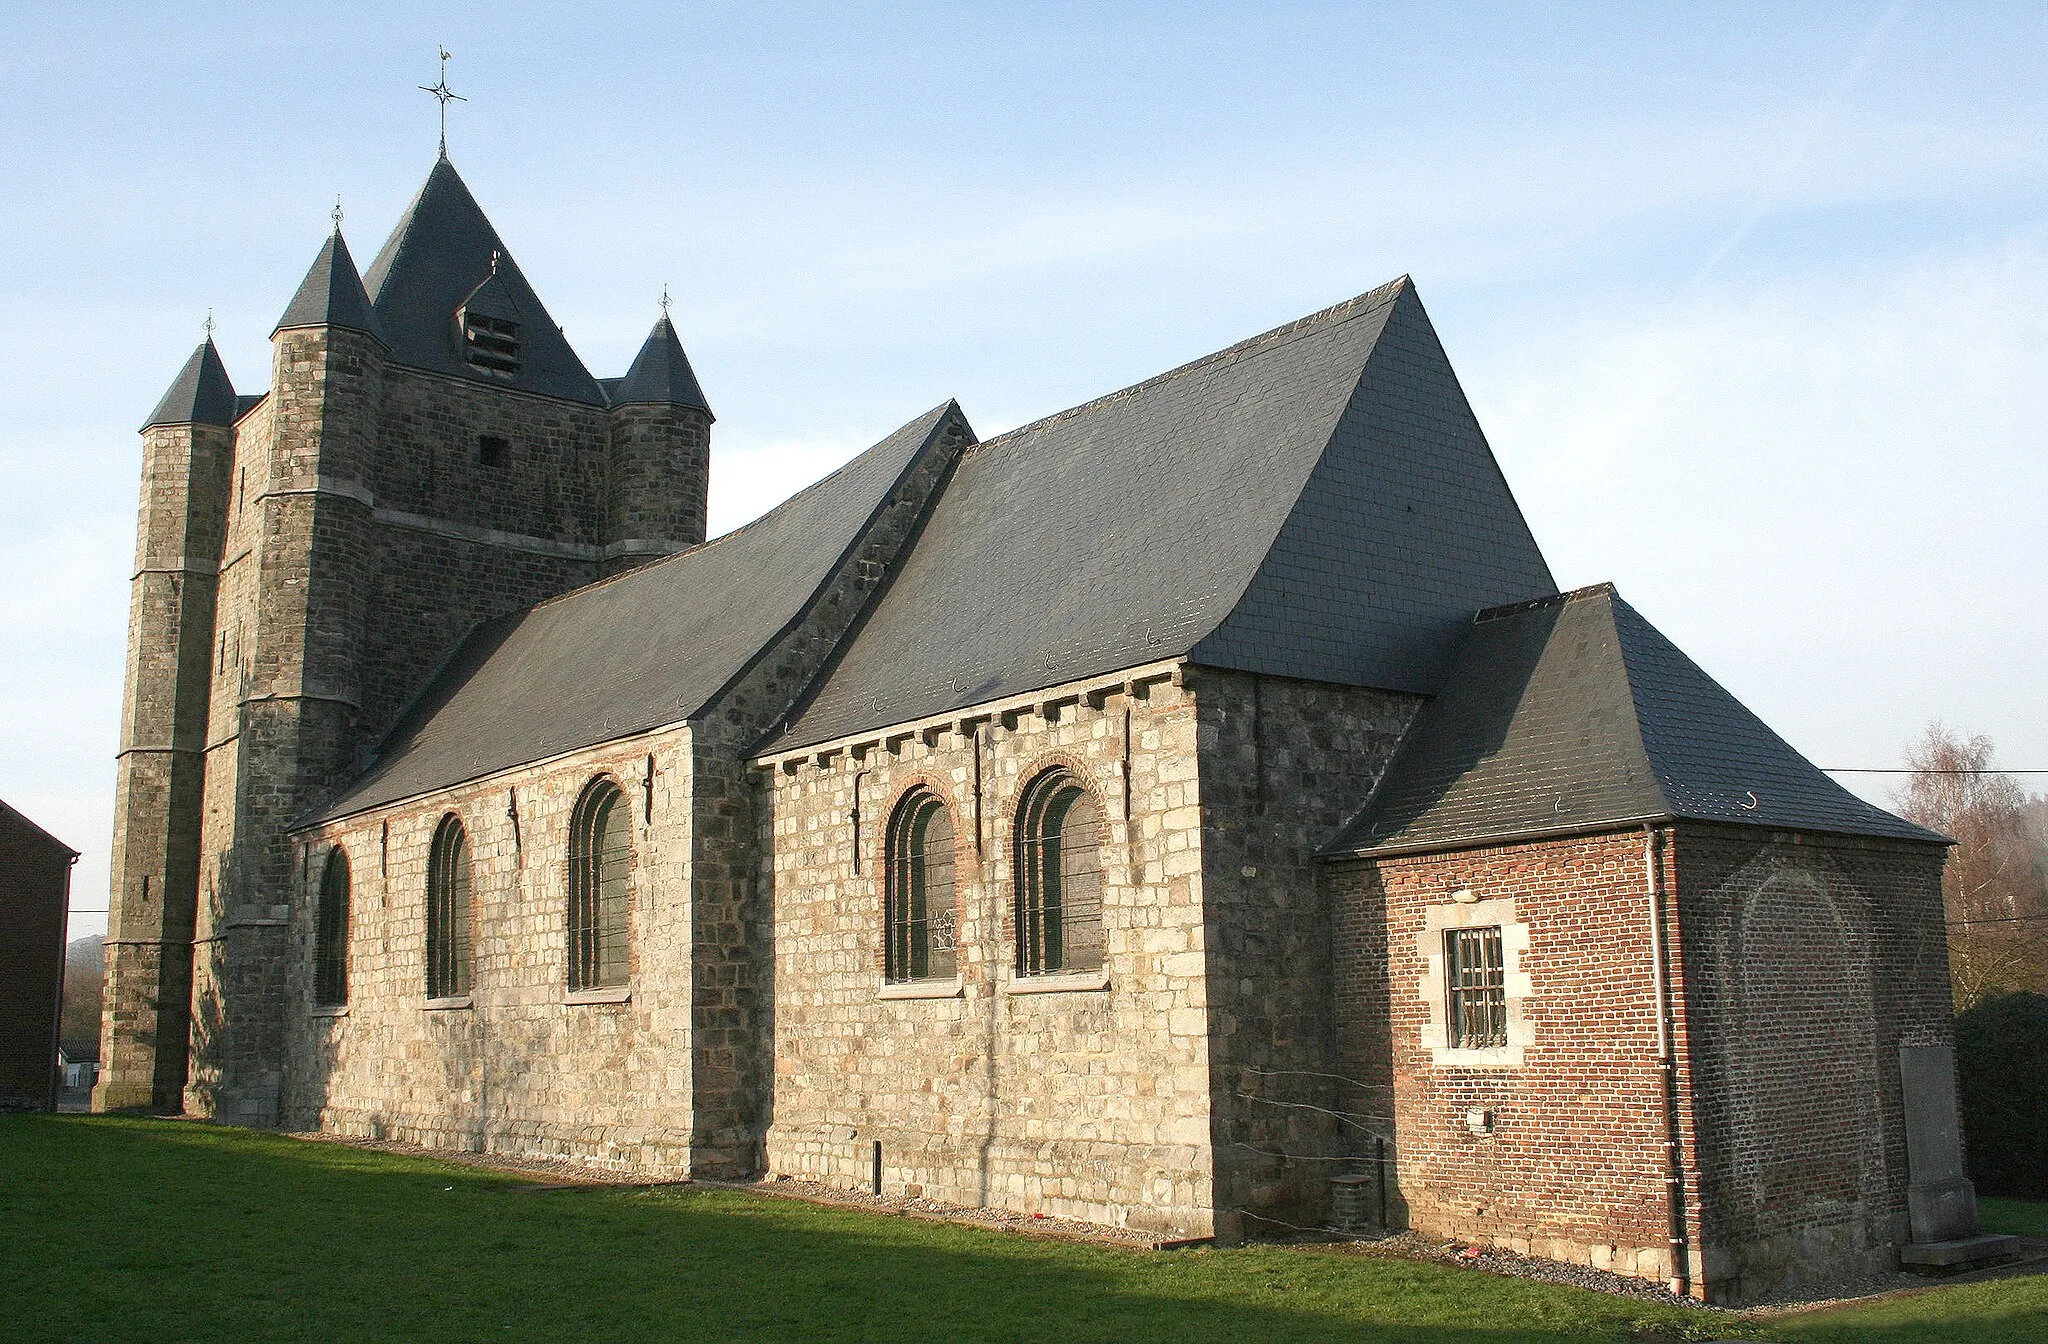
[[134, 1230]]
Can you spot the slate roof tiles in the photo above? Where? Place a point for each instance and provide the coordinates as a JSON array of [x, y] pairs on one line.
[[1573, 713]]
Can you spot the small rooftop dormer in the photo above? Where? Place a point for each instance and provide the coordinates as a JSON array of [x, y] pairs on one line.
[[489, 320]]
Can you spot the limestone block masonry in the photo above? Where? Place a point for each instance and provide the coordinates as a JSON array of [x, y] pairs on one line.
[[519, 1065], [300, 576], [1091, 1101]]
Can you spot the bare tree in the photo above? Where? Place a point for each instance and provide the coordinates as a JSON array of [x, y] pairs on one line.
[[1994, 888], [84, 974]]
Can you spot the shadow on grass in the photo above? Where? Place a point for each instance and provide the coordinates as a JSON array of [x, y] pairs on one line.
[[132, 1230]]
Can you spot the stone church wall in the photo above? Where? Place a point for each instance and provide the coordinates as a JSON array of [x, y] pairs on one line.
[[1809, 960], [1554, 1145], [524, 1067], [1283, 763], [508, 535], [1090, 1101]]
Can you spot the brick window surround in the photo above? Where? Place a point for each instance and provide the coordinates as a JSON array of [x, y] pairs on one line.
[[1434, 985]]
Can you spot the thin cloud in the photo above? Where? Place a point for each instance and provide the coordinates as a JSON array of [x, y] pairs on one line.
[[1794, 157]]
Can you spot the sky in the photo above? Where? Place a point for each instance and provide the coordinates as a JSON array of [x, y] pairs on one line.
[[1751, 300]]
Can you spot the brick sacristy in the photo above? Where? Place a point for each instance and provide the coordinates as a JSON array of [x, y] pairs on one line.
[[1194, 811]]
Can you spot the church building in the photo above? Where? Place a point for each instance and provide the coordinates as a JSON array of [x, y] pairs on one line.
[[1195, 811]]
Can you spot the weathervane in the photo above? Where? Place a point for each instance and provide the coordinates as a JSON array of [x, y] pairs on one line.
[[664, 300], [207, 325], [443, 94], [336, 216]]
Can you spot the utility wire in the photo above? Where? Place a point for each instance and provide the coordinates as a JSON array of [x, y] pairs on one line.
[[1904, 770]]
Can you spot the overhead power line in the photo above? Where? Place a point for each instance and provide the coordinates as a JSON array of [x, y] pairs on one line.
[[1908, 770]]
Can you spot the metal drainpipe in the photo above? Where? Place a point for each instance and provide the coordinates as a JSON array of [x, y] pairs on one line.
[[1667, 1057]]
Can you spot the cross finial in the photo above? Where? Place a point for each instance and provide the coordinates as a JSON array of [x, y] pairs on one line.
[[207, 325], [336, 216], [664, 300], [444, 95]]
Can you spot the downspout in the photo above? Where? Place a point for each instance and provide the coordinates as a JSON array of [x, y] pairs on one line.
[[1667, 1059]]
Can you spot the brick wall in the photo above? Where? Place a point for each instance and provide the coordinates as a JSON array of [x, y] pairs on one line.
[[35, 881], [1573, 1165], [1808, 961], [1800, 964]]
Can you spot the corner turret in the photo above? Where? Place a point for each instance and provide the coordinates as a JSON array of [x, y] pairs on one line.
[[200, 395], [188, 452], [332, 295], [660, 455]]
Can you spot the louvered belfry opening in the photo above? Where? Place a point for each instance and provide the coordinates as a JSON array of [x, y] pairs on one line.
[[490, 344], [330, 933], [921, 916], [1059, 879], [600, 859], [1476, 973], [448, 911]]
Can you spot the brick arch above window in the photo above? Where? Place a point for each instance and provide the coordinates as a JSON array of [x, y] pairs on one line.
[[1006, 810], [1060, 828], [921, 902]]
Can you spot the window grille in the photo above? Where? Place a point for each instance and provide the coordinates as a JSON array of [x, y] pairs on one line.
[[1059, 879], [1477, 976], [491, 344], [330, 933], [921, 913], [600, 858], [448, 911]]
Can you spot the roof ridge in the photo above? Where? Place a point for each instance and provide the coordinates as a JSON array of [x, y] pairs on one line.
[[752, 523], [1506, 609], [1358, 305]]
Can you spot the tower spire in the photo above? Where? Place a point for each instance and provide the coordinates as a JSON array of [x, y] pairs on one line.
[[443, 95]]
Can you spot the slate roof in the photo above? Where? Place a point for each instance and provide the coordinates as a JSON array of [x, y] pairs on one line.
[[437, 256], [200, 395], [645, 649], [1316, 502], [1573, 713], [332, 294], [661, 374]]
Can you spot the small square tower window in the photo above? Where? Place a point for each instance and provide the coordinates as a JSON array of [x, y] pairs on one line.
[[493, 451]]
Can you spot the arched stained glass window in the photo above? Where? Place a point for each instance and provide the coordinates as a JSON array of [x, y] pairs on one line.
[[921, 914], [600, 903], [448, 911], [330, 933], [1059, 878]]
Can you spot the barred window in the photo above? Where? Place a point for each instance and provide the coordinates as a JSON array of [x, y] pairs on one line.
[[600, 856], [448, 911], [1059, 878], [920, 912], [1477, 978], [330, 933]]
